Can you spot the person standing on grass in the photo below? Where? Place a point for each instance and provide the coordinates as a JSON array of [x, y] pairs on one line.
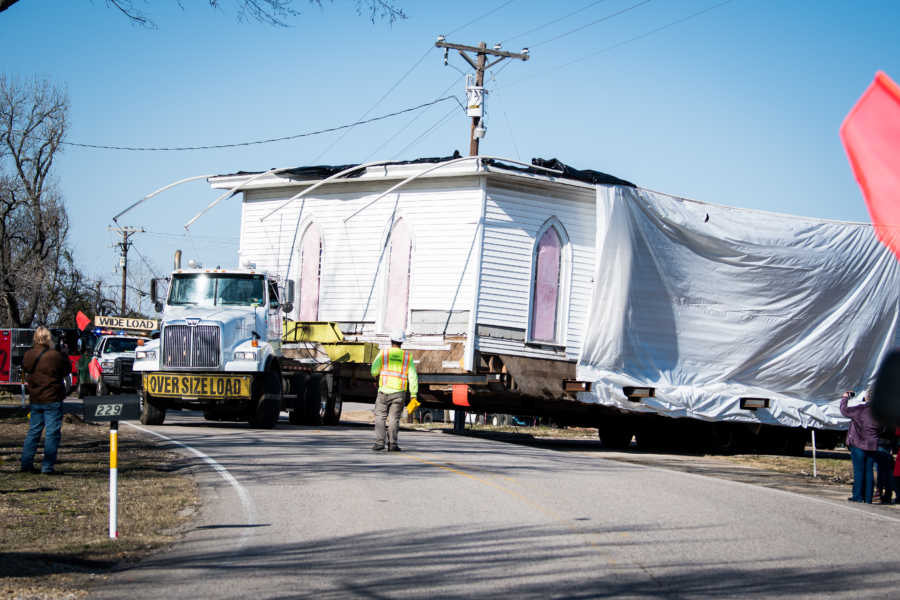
[[862, 441], [45, 370]]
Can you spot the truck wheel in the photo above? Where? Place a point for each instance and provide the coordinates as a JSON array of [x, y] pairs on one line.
[[102, 390], [427, 417], [81, 390], [315, 400], [335, 403], [268, 406], [152, 411]]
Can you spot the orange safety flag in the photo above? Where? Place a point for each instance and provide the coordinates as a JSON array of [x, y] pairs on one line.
[[82, 320], [460, 394], [871, 137], [94, 369]]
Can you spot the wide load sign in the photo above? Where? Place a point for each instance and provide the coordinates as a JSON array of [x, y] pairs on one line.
[[108, 322]]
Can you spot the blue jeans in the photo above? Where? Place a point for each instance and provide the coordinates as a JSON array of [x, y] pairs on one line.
[[884, 464], [49, 416], [863, 474]]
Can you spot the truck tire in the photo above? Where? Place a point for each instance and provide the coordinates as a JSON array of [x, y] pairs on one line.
[[152, 411], [102, 390], [315, 400], [82, 390], [335, 403], [268, 404]]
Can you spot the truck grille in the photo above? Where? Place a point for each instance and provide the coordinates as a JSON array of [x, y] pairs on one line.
[[185, 346]]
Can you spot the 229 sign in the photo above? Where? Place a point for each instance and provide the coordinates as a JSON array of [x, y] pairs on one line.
[[108, 410]]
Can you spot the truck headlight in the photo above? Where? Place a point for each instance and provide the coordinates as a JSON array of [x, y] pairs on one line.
[[108, 366], [249, 355], [145, 355]]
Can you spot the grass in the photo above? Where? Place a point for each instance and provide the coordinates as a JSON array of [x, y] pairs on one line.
[[55, 535]]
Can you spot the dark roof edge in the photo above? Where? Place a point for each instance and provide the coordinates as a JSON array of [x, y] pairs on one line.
[[584, 175], [325, 171]]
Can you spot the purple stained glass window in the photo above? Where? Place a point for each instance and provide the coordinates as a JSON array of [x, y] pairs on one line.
[[545, 294], [310, 274]]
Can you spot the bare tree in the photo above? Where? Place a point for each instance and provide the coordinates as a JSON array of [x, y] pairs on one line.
[[270, 12], [34, 258]]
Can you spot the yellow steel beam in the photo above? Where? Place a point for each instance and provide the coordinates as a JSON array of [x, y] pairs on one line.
[[321, 332], [353, 352]]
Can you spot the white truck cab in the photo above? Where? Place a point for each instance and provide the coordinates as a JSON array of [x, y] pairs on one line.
[[218, 348]]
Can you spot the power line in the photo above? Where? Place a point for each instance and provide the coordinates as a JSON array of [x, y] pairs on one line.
[[374, 106], [439, 122], [553, 22], [410, 123], [622, 43], [256, 142], [487, 14], [592, 23]]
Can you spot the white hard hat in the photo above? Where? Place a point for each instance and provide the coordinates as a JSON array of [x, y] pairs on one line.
[[398, 336]]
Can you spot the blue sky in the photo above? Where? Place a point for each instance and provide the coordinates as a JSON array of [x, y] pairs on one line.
[[739, 105]]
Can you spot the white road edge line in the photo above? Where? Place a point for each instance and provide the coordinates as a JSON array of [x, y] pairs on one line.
[[246, 501]]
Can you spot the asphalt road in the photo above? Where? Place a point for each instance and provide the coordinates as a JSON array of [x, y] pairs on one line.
[[312, 512]]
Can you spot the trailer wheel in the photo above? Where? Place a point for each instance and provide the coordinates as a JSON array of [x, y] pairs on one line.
[[615, 432], [335, 403], [268, 404], [153, 412], [427, 417]]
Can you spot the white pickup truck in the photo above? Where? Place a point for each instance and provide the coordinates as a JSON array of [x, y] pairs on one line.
[[115, 353]]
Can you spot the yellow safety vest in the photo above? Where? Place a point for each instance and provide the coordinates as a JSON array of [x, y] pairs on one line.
[[396, 372]]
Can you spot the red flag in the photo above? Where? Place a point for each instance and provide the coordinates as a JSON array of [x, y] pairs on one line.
[[94, 369], [871, 137], [82, 320]]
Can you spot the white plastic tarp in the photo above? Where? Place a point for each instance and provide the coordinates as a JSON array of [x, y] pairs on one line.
[[708, 304]]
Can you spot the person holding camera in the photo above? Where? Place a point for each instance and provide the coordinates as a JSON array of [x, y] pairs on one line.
[[45, 370], [862, 441]]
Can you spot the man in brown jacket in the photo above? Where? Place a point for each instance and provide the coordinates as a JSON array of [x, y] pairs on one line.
[[45, 370]]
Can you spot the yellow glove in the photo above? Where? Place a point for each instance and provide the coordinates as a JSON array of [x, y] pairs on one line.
[[412, 406]]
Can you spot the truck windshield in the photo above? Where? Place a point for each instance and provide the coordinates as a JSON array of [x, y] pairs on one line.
[[217, 289], [120, 345]]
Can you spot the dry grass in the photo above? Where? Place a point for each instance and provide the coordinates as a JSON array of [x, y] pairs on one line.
[[55, 534], [832, 466]]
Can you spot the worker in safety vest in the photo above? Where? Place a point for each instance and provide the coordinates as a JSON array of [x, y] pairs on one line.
[[396, 375]]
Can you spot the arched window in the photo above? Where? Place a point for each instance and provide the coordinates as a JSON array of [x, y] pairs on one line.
[[310, 274], [547, 285], [399, 259]]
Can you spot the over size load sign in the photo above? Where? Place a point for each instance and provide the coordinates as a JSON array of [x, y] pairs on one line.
[[175, 385]]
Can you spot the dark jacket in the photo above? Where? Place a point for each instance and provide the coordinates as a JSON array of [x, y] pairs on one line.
[[45, 376], [863, 432]]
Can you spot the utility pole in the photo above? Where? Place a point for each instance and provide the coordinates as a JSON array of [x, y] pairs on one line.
[[480, 65], [126, 233]]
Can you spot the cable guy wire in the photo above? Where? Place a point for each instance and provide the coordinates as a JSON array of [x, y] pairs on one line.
[[256, 142]]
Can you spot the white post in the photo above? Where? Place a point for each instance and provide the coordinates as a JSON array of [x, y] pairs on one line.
[[815, 474], [113, 479]]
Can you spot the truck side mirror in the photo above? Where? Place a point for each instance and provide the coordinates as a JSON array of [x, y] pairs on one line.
[[287, 307], [153, 291], [289, 291]]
